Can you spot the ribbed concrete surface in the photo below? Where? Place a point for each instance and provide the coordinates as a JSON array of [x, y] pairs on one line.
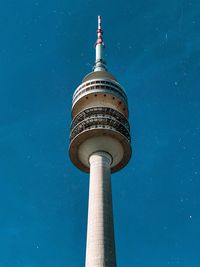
[[100, 250]]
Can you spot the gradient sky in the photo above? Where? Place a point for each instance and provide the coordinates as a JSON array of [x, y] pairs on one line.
[[46, 48]]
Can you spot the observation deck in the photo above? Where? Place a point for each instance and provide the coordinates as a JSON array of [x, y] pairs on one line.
[[100, 121], [99, 90]]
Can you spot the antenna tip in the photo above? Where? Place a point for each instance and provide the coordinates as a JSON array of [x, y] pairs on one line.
[[99, 19]]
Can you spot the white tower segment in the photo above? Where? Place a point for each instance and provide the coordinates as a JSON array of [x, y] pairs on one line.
[[100, 143]]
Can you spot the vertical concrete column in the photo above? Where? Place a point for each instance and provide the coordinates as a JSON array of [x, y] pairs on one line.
[[100, 251]]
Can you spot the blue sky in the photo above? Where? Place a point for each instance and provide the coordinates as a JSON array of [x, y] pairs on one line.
[[46, 48]]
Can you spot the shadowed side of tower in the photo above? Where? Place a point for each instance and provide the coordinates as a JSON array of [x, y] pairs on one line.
[[100, 144]]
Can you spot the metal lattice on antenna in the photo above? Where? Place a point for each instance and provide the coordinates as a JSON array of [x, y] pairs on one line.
[[100, 63], [99, 33]]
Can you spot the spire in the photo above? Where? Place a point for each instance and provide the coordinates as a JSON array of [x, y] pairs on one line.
[[100, 64]]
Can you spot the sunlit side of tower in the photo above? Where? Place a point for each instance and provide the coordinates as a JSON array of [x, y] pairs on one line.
[[100, 144]]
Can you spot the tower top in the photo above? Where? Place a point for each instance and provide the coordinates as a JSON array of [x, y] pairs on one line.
[[100, 64], [99, 33], [100, 116]]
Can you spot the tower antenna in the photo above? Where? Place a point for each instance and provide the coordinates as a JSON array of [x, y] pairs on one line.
[[100, 64]]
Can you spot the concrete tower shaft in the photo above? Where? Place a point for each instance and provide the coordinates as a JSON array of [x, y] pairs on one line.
[[100, 143], [100, 232]]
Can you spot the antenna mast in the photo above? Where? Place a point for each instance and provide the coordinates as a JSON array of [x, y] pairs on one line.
[[100, 64]]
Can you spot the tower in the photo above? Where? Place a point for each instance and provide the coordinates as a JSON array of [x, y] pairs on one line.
[[100, 144]]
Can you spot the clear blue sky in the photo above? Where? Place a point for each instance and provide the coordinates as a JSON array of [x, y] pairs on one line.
[[46, 48]]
